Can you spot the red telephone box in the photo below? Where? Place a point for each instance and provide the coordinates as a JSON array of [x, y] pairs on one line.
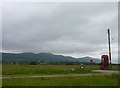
[[104, 62]]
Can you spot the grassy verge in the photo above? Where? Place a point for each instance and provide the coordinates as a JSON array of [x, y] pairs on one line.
[[63, 81], [43, 69], [23, 70], [27, 70]]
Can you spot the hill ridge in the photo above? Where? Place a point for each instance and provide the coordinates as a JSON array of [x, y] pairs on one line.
[[44, 57]]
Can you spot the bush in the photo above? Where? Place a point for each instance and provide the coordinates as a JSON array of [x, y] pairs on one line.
[[33, 63]]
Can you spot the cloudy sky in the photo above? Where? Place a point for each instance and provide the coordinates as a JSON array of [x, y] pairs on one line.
[[75, 29]]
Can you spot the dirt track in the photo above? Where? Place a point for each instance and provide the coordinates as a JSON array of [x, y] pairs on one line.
[[48, 76], [101, 72]]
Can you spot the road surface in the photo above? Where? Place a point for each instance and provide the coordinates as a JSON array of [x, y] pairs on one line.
[[106, 71], [100, 72], [48, 76]]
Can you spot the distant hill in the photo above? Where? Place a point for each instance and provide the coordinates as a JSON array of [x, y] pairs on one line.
[[87, 59], [10, 57]]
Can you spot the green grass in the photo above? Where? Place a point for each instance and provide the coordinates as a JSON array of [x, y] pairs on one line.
[[63, 81], [41, 69], [9, 69], [27, 70]]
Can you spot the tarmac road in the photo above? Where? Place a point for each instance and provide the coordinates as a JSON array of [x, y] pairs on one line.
[[106, 71]]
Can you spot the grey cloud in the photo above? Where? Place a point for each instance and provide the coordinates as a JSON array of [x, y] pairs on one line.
[[58, 27]]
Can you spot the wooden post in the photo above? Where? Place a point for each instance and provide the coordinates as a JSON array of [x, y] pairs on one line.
[[109, 46]]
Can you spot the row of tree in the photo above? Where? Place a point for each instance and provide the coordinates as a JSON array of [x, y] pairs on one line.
[[53, 63]]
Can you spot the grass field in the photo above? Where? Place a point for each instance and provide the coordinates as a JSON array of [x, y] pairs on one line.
[[10, 70], [63, 81], [43, 69]]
